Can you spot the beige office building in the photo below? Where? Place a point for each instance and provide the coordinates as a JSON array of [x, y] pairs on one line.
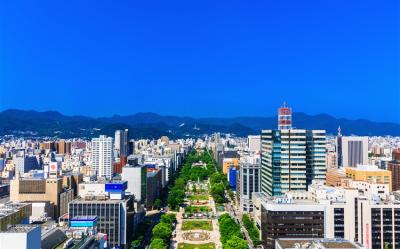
[[49, 191]]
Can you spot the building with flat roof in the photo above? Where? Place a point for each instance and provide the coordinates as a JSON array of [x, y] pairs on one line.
[[249, 183], [21, 237], [369, 173], [136, 176], [49, 190], [14, 213], [114, 210], [154, 186], [351, 150], [316, 244], [363, 212]]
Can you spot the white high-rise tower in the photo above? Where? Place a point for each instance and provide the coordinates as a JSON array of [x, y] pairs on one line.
[[102, 156]]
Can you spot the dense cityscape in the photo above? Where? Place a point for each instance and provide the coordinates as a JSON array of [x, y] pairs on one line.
[[282, 188], [199, 124]]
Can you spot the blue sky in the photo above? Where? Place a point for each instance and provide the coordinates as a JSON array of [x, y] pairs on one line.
[[202, 58]]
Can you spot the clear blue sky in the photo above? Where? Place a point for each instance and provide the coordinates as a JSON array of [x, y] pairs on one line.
[[202, 58]]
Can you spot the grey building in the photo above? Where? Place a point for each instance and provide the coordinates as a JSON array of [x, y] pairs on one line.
[[136, 176], [115, 217], [351, 151], [24, 163], [250, 175]]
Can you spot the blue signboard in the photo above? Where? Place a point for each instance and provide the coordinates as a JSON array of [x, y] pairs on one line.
[[116, 187]]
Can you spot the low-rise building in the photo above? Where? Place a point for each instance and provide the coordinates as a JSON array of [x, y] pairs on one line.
[[369, 173], [316, 244], [115, 212], [14, 213], [21, 237]]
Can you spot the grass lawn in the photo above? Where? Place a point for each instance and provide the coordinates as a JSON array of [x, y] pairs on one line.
[[197, 209], [192, 246], [197, 225], [198, 197]]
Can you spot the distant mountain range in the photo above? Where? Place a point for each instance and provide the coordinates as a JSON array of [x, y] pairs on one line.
[[140, 125]]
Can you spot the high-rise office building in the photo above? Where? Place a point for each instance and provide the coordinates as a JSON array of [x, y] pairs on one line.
[[249, 183], [351, 151], [284, 117], [102, 156], [118, 140], [121, 142], [394, 167], [291, 159]]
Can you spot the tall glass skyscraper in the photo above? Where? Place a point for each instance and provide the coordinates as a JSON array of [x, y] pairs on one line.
[[291, 159]]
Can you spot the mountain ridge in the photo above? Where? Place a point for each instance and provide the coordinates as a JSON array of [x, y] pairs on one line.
[[153, 125]]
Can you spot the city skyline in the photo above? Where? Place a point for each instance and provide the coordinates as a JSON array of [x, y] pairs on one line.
[[246, 59]]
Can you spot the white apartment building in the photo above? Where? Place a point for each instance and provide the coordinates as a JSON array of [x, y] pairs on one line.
[[102, 156]]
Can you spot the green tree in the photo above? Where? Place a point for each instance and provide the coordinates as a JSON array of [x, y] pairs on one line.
[[176, 198], [136, 243], [158, 244], [228, 228], [251, 228], [180, 183], [157, 204], [217, 191], [236, 243], [162, 231], [168, 218]]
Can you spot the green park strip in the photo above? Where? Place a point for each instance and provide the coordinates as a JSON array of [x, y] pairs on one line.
[[198, 198], [193, 246], [197, 209], [197, 225]]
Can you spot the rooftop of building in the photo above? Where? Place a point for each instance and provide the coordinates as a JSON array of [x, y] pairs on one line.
[[11, 207], [100, 199], [20, 229], [52, 238], [317, 243], [84, 218], [366, 167]]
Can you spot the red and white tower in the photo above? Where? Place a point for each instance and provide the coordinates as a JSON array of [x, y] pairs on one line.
[[284, 117]]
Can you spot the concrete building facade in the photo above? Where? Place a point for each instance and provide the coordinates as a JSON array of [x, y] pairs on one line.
[[102, 156]]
